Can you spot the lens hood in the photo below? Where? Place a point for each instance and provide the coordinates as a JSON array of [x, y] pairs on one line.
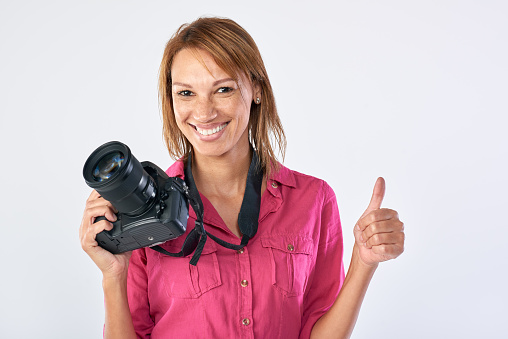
[[127, 186]]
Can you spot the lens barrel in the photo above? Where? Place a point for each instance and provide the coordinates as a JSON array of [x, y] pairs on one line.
[[119, 177]]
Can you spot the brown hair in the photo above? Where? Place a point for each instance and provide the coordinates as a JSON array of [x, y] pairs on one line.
[[234, 50]]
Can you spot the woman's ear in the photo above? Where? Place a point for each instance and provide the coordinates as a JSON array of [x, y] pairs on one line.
[[256, 89]]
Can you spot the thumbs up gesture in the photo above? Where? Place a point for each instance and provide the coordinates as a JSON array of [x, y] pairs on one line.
[[379, 234]]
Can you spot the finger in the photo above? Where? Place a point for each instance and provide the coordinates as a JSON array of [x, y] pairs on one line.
[[389, 251], [100, 226], [95, 199], [375, 216], [100, 211], [88, 238], [377, 196], [383, 226], [94, 195], [88, 225], [100, 202], [96, 206], [391, 238]]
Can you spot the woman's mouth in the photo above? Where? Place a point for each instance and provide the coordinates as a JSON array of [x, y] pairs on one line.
[[211, 131]]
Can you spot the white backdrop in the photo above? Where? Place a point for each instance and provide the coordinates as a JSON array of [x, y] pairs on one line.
[[415, 91]]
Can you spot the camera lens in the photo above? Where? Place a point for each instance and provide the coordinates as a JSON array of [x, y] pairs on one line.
[[119, 177], [108, 166]]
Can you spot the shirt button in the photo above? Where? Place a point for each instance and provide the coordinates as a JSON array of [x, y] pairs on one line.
[[291, 248], [240, 251], [274, 184], [244, 283], [246, 321]]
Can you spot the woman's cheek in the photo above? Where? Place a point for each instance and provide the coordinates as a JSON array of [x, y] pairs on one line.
[[181, 111]]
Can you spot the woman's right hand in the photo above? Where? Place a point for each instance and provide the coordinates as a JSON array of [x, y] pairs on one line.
[[112, 265]]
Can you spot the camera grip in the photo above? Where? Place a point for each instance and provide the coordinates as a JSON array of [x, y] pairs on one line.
[[105, 238], [100, 218]]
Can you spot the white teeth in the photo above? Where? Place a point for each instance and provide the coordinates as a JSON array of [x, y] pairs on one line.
[[211, 131]]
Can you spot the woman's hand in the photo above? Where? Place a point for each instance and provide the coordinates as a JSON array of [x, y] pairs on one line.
[[112, 265], [379, 236], [379, 233]]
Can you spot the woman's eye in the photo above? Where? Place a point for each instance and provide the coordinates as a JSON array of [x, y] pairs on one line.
[[185, 93], [224, 90]]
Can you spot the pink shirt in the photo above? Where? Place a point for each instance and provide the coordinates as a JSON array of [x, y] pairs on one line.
[[278, 286]]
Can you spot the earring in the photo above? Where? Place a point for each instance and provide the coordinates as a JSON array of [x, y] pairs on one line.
[[258, 101]]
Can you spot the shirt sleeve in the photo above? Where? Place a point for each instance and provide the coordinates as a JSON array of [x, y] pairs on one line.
[[328, 275], [137, 294]]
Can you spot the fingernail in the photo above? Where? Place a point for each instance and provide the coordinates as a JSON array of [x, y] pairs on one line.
[[357, 227]]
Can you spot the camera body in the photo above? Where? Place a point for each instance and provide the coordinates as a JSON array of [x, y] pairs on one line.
[[165, 218], [152, 207]]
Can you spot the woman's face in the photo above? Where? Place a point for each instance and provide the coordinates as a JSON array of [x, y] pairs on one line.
[[211, 109]]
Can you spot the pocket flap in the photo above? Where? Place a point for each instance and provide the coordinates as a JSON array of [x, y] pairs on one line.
[[210, 247], [288, 243]]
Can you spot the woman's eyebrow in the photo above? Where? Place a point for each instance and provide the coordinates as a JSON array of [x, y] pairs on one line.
[[181, 84], [222, 80], [214, 84]]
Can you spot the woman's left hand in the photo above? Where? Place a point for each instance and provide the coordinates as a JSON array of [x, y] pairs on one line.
[[379, 233]]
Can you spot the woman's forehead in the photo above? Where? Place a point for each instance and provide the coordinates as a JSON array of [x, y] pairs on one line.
[[193, 64]]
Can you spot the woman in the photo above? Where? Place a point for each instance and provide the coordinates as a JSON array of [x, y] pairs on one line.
[[218, 107]]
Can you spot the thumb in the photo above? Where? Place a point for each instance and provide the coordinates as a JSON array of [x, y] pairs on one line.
[[377, 196]]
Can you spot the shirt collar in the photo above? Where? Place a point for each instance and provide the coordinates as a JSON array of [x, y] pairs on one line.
[[283, 176], [177, 169]]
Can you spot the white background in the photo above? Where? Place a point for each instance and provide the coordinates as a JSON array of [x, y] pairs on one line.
[[415, 91]]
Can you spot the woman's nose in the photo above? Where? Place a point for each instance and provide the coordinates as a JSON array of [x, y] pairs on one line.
[[204, 110]]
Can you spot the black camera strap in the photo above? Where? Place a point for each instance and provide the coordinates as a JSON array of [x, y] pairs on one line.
[[247, 218]]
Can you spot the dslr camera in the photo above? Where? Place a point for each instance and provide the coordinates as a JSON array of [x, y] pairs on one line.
[[152, 207]]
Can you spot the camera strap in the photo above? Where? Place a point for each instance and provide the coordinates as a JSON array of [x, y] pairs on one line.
[[247, 218]]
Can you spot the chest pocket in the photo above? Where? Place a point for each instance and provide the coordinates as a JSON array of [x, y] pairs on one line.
[[290, 257], [185, 281]]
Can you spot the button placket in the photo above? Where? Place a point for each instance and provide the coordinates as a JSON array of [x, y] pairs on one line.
[[245, 292]]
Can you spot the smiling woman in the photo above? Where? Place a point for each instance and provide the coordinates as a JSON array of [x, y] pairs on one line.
[[284, 277], [211, 109], [225, 52]]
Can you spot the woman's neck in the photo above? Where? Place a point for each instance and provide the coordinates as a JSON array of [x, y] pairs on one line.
[[223, 175]]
